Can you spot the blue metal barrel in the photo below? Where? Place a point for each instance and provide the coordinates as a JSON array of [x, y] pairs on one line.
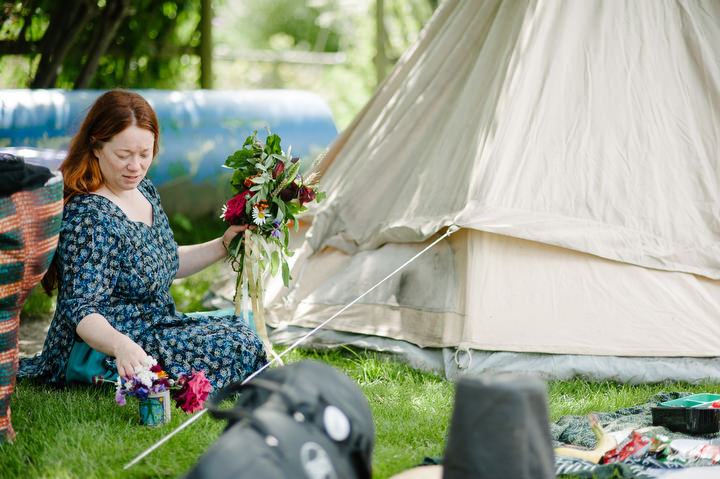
[[198, 130]]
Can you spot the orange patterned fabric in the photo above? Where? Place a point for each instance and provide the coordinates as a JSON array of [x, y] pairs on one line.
[[29, 227]]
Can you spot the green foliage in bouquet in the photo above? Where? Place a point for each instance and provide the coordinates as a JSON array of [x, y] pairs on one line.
[[268, 194]]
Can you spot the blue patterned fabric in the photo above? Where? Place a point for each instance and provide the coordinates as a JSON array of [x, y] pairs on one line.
[[123, 270]]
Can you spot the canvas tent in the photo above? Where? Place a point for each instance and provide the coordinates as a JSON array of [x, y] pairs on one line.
[[576, 146]]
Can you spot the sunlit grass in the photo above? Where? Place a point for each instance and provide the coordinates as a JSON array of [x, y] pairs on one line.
[[81, 432]]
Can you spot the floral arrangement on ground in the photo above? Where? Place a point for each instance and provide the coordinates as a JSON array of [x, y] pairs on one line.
[[269, 192], [189, 391]]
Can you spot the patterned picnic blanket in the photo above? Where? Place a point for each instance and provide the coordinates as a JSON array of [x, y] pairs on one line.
[[30, 215], [576, 430]]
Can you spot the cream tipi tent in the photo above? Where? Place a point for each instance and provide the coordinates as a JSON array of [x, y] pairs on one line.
[[576, 145]]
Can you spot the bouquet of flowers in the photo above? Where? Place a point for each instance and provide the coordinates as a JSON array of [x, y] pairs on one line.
[[189, 391], [269, 192], [148, 379]]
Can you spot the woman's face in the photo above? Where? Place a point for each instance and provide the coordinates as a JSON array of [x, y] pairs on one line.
[[125, 159]]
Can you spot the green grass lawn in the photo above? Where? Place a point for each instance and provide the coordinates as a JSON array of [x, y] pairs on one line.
[[81, 432]]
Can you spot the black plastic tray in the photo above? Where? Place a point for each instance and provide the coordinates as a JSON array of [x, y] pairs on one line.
[[691, 414]]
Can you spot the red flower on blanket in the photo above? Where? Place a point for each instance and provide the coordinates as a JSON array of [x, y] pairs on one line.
[[194, 390]]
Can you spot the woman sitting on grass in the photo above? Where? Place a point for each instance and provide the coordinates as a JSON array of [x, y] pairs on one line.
[[116, 260]]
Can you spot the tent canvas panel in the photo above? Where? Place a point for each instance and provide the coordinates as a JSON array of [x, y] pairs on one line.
[[528, 296], [575, 146], [590, 125], [517, 295]]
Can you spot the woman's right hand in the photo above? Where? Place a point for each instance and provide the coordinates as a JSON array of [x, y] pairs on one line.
[[128, 355], [95, 330]]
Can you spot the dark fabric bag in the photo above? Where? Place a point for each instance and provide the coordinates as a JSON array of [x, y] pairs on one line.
[[16, 175], [500, 427], [302, 420]]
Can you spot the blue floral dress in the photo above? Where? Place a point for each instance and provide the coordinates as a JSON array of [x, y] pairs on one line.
[[122, 270]]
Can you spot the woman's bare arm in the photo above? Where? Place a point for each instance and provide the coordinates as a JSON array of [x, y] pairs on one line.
[[99, 334], [194, 258]]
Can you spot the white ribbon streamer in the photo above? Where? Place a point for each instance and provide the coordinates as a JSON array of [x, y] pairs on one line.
[[451, 229], [245, 300]]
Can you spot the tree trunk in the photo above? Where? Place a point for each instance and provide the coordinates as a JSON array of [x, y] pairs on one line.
[[62, 31], [112, 17], [206, 45]]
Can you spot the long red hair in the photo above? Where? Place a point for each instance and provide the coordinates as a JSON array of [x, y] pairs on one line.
[[112, 113]]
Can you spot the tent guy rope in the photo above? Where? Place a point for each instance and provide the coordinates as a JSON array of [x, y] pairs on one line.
[[451, 229]]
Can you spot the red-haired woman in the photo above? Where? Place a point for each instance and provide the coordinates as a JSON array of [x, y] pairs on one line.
[[116, 259]]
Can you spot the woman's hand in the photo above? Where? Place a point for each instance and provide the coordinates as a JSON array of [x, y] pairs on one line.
[[99, 334], [231, 233], [128, 356]]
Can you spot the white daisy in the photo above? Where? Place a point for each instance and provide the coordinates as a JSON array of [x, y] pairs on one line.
[[146, 378], [258, 215], [149, 361]]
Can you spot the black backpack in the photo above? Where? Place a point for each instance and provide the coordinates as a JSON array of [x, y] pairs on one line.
[[302, 420]]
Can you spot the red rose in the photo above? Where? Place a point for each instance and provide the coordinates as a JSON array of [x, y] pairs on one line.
[[194, 392], [278, 169], [306, 194], [235, 208]]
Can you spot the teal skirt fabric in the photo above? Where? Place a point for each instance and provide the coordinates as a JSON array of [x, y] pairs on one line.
[[85, 362]]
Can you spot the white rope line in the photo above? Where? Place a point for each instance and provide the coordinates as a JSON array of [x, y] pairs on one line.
[[451, 229]]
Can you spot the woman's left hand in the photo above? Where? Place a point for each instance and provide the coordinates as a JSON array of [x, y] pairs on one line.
[[231, 233]]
